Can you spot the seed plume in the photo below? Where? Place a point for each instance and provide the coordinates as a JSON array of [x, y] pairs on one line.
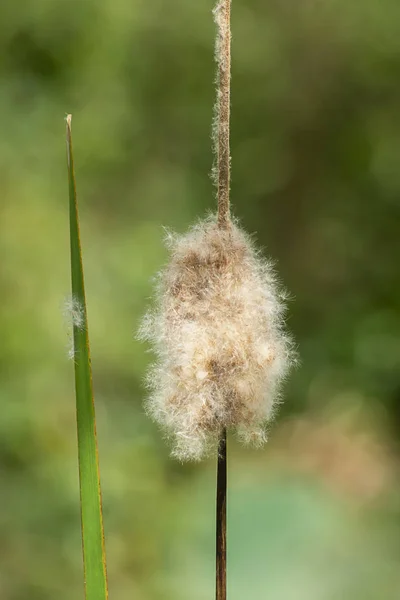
[[217, 332]]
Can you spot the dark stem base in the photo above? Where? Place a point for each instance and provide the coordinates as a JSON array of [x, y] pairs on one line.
[[220, 591]]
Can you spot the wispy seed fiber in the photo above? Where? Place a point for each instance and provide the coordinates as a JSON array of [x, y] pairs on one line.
[[217, 332]]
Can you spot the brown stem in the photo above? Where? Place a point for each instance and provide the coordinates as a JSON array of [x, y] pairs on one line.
[[222, 14], [220, 590]]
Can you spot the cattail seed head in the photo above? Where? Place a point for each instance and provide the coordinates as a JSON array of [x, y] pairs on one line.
[[217, 332]]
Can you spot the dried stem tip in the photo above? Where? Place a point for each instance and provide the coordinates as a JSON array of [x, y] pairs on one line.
[[222, 16], [217, 332]]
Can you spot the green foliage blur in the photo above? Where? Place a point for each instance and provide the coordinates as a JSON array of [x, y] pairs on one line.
[[315, 174]]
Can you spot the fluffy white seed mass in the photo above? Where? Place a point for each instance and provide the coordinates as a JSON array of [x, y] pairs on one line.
[[217, 332], [74, 316]]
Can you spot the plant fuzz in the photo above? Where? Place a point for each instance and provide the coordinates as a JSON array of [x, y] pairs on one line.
[[218, 336], [74, 316]]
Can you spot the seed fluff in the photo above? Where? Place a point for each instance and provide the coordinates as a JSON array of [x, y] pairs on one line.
[[218, 334], [74, 316]]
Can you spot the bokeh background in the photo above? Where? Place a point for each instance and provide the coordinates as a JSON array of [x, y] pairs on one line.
[[315, 157]]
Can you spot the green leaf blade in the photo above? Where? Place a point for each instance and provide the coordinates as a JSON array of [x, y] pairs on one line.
[[94, 559]]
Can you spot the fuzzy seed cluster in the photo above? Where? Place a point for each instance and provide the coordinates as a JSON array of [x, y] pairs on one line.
[[74, 316], [217, 332]]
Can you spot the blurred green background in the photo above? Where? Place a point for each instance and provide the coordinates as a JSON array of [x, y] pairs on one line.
[[315, 159]]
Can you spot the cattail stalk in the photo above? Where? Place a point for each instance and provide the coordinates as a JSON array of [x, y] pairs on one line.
[[220, 589], [217, 327], [222, 15]]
